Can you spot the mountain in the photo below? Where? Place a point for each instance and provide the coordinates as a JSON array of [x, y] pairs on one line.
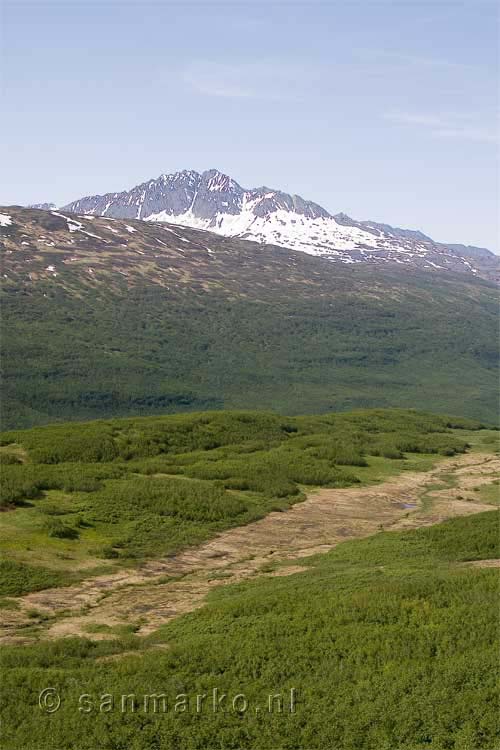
[[43, 206], [215, 202], [104, 317]]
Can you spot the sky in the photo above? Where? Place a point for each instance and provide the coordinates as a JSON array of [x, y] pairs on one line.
[[384, 110]]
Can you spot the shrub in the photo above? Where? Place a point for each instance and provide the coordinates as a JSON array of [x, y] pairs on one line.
[[59, 530], [109, 553], [19, 578], [8, 459]]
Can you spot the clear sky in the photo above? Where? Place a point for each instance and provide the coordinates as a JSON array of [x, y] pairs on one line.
[[384, 110]]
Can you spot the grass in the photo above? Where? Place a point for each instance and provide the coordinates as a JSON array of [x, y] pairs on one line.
[[489, 493], [92, 497], [389, 642], [118, 630], [19, 578], [380, 469], [486, 441], [9, 604]]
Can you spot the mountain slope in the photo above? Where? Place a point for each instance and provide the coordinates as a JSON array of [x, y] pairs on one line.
[[216, 202], [106, 317]]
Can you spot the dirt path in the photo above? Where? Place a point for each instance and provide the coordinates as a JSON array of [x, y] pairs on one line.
[[145, 595]]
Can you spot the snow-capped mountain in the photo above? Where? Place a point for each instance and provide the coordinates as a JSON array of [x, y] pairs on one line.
[[215, 202]]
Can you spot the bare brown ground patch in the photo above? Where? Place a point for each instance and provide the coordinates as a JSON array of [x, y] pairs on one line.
[[326, 518], [14, 449], [484, 563]]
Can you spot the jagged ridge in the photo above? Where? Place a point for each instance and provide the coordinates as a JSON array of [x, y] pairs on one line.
[[216, 202]]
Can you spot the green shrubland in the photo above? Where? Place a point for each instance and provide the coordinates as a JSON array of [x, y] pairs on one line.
[[390, 643], [349, 337], [83, 497]]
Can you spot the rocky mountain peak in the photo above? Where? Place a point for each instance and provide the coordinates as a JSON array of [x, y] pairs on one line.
[[214, 201]]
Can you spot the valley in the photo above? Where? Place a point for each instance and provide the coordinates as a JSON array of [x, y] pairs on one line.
[[342, 535], [249, 423], [94, 498], [146, 598]]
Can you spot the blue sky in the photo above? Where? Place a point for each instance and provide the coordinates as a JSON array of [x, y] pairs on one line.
[[384, 110]]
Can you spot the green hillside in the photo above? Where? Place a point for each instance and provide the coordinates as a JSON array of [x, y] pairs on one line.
[[126, 325]]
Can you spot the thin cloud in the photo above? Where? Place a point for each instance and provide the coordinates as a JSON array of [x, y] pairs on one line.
[[460, 127], [422, 61], [268, 81]]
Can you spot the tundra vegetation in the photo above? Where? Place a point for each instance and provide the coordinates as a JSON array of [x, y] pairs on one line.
[[389, 642], [160, 321], [87, 497]]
